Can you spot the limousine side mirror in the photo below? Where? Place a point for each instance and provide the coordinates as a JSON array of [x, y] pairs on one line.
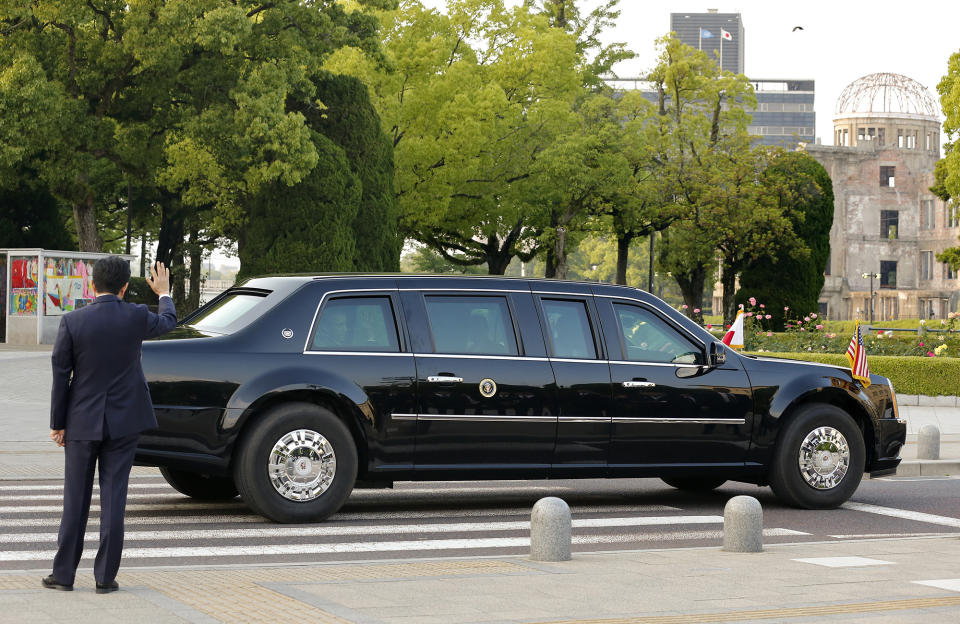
[[718, 355]]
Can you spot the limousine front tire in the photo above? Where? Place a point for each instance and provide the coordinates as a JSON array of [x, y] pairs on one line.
[[199, 486], [297, 464], [819, 460]]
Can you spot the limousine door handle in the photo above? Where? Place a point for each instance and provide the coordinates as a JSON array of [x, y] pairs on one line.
[[444, 379], [638, 384]]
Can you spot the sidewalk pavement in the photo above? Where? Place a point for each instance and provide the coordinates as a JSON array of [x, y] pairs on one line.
[[878, 581]]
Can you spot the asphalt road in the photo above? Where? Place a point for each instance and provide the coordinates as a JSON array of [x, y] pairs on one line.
[[417, 520]]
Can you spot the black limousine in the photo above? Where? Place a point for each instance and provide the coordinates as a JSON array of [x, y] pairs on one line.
[[292, 390]]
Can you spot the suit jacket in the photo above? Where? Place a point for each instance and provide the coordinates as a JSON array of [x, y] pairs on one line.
[[99, 390]]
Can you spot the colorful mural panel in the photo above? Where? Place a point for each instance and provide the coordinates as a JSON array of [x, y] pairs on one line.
[[23, 286], [68, 285]]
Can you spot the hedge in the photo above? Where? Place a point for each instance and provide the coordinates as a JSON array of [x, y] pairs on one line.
[[910, 375]]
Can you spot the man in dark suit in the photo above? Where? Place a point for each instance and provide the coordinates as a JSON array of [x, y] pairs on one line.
[[99, 405]]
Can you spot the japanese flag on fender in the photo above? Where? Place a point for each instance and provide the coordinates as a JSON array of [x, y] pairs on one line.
[[734, 336]]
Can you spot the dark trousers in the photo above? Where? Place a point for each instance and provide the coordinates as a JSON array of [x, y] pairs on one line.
[[115, 458]]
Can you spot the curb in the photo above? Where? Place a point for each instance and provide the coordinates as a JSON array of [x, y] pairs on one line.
[[928, 468]]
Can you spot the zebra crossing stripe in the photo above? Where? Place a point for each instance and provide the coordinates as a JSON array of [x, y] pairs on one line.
[[260, 550], [324, 531]]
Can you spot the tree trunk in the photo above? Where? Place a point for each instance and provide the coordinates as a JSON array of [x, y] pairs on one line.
[[85, 218], [623, 254], [170, 247], [560, 255], [728, 280], [497, 261], [196, 267], [143, 253], [691, 287]]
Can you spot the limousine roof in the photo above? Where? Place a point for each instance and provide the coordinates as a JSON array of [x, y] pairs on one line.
[[273, 281]]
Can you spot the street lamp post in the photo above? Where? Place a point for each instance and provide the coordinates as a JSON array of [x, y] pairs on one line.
[[872, 276]]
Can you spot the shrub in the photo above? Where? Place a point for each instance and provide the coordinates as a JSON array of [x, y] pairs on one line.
[[910, 375]]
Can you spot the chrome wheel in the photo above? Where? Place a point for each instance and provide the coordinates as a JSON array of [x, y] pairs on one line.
[[824, 458], [302, 465]]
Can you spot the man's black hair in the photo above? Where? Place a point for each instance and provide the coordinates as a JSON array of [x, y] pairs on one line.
[[110, 274]]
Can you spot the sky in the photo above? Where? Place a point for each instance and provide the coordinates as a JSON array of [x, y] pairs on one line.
[[841, 40]]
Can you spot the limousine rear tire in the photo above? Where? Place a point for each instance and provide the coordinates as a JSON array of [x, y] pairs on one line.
[[819, 460], [297, 464], [694, 484], [199, 486]]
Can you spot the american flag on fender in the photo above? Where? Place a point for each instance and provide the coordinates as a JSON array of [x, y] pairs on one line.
[[858, 358]]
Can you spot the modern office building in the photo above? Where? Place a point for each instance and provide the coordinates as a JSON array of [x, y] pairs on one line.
[[888, 227], [784, 115], [712, 32]]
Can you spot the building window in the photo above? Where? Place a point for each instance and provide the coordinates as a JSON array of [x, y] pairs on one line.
[[926, 265], [843, 137], [826, 271], [950, 216], [927, 215], [948, 272], [888, 274], [887, 176], [881, 136], [888, 223]]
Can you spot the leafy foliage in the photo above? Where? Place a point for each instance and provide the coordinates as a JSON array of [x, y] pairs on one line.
[[804, 192]]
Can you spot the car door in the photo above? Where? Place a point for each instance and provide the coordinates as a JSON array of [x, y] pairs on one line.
[[670, 408], [356, 338], [572, 331], [486, 398]]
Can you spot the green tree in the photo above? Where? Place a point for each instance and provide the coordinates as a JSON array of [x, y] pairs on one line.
[[804, 192], [187, 97], [470, 98], [314, 232], [947, 172], [346, 116], [31, 217]]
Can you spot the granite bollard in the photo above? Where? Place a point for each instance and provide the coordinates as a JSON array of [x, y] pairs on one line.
[[743, 525], [928, 442], [550, 528]]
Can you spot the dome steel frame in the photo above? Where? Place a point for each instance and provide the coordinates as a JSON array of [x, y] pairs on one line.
[[887, 94]]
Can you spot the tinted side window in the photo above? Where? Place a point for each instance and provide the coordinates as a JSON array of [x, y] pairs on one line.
[[471, 325], [227, 313], [569, 328], [648, 338], [356, 324]]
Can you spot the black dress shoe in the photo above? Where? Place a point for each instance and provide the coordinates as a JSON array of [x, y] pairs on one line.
[[106, 588], [51, 582]]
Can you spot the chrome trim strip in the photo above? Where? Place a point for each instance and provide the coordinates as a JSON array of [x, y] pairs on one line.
[[579, 361], [691, 421], [444, 379], [481, 357], [584, 419], [403, 416], [388, 353], [669, 364], [434, 291], [638, 384], [485, 418]]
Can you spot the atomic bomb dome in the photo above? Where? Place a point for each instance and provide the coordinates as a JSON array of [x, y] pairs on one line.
[[888, 95], [888, 226]]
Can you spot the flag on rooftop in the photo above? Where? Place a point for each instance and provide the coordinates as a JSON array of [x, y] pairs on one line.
[[857, 356]]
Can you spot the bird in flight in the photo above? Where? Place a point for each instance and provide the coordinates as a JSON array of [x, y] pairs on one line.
[[796, 28]]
